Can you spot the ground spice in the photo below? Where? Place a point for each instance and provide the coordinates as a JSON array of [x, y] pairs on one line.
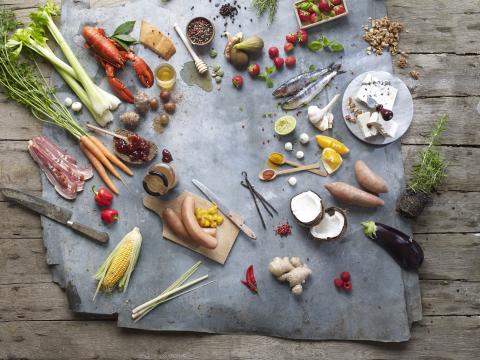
[[276, 158], [199, 31], [268, 174], [283, 230]]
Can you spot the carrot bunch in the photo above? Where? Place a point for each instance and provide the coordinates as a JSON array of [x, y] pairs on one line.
[[102, 160]]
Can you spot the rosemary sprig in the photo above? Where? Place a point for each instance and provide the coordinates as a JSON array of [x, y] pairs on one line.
[[262, 6], [430, 170]]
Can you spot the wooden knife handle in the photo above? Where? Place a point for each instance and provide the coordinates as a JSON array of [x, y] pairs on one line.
[[99, 236]]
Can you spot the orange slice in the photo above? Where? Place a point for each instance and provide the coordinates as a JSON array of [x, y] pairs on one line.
[[329, 142], [331, 160]]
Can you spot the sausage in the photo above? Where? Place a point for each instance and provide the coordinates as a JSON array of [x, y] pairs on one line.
[[174, 222], [193, 228]]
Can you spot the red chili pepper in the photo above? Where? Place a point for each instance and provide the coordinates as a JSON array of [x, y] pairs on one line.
[[103, 197], [109, 215], [250, 281]]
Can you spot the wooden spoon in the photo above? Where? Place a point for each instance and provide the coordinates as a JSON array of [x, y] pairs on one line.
[[270, 174], [295, 164]]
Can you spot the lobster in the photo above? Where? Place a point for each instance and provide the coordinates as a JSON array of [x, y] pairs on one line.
[[111, 56]]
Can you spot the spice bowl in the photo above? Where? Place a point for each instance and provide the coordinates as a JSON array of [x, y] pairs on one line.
[[200, 31], [308, 25]]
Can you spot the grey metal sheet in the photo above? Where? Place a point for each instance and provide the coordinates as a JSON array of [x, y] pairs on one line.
[[235, 137]]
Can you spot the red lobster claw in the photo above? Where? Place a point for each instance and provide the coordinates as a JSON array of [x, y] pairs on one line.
[[144, 73], [117, 86]]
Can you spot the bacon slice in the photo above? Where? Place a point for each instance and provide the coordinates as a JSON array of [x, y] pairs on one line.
[[60, 168]]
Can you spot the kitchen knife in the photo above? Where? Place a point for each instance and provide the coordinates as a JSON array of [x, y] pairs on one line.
[[53, 212], [235, 218]]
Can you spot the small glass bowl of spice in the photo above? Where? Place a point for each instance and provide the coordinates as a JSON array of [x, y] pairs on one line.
[[200, 31]]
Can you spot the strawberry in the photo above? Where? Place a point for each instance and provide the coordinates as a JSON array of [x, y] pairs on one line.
[[254, 70], [290, 61], [336, 2], [303, 15], [324, 6], [288, 47], [339, 10], [302, 36], [278, 62], [237, 81], [291, 38], [273, 52], [313, 18]]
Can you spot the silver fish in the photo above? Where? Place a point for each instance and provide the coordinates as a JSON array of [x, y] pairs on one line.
[[297, 83], [304, 96]]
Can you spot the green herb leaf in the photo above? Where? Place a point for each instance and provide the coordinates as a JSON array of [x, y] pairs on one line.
[[269, 83], [125, 38], [334, 46], [125, 28], [311, 68], [270, 70], [315, 45]]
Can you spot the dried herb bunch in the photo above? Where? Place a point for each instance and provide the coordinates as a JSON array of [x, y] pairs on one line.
[[430, 170]]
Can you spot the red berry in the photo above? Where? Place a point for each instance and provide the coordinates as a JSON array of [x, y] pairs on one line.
[[288, 47], [336, 2], [291, 38], [166, 156], [278, 62], [273, 52], [302, 36], [290, 61], [339, 10], [347, 285], [345, 276], [313, 18], [338, 283], [304, 15], [237, 81], [254, 70]]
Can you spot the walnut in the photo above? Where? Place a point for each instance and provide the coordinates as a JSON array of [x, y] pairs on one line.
[[414, 74], [402, 62]]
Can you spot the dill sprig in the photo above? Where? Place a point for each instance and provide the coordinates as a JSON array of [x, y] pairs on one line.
[[430, 170], [262, 6]]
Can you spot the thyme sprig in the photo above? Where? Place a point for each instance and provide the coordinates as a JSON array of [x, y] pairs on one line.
[[430, 170], [262, 6]]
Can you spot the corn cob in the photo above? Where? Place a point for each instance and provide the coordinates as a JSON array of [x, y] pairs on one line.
[[118, 267]]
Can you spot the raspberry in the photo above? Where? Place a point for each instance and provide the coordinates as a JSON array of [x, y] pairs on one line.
[[345, 276], [347, 285], [338, 283]]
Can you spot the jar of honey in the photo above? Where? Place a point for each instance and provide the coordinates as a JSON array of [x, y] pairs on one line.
[[166, 76]]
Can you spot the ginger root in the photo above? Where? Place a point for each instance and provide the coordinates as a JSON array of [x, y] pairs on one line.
[[290, 270]]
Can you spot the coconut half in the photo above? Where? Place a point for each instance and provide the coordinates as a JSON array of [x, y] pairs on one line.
[[307, 208], [332, 226]]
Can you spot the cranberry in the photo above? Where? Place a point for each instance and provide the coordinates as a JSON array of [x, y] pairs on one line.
[[166, 156]]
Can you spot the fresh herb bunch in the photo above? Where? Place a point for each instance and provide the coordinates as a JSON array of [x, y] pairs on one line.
[[430, 171], [262, 6], [322, 42]]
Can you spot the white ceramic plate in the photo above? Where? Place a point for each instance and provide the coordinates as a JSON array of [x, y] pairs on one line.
[[402, 109]]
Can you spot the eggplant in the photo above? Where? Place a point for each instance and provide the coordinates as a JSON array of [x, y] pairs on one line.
[[406, 251]]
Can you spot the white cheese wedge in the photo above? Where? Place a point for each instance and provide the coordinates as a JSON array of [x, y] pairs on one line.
[[363, 120], [386, 128], [380, 90]]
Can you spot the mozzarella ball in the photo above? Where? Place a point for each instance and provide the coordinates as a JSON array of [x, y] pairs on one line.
[[300, 155], [304, 138], [292, 181], [288, 146]]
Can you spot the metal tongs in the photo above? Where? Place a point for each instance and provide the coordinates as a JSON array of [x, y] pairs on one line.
[[256, 195]]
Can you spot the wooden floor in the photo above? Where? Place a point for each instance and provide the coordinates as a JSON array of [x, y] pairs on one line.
[[443, 41]]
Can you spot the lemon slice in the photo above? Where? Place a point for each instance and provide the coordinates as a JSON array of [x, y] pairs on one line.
[[331, 160], [285, 125], [327, 141]]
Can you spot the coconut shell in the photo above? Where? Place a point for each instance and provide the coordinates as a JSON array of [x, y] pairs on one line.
[[151, 155], [331, 211], [317, 219]]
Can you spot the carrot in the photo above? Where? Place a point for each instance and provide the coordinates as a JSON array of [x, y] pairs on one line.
[[352, 195], [99, 155], [368, 179], [111, 156], [99, 167]]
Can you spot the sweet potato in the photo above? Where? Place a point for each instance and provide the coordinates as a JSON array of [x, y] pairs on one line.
[[368, 179], [352, 195]]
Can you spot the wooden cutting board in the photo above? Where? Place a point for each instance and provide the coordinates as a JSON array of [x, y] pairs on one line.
[[226, 233]]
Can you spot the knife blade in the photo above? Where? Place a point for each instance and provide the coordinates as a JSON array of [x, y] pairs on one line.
[[235, 218], [54, 212]]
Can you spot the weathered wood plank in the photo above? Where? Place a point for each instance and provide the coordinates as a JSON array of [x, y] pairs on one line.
[[443, 75], [47, 302], [462, 128], [437, 25], [101, 339], [16, 122]]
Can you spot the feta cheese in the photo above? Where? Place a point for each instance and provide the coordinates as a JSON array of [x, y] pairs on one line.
[[288, 146], [367, 132], [386, 128], [300, 155], [379, 90], [292, 181], [304, 138]]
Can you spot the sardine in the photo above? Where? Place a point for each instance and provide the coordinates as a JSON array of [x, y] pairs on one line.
[[304, 96], [297, 83]]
